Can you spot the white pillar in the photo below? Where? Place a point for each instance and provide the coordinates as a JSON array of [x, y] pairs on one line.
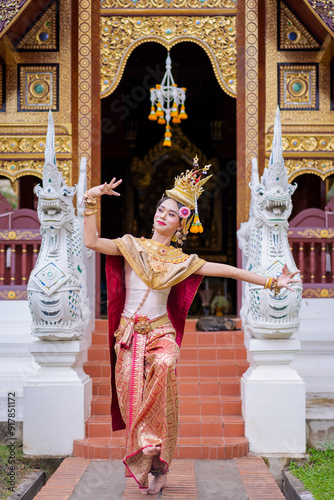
[[16, 361], [56, 399], [273, 398]]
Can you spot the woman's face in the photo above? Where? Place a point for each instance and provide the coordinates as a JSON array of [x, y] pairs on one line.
[[167, 219]]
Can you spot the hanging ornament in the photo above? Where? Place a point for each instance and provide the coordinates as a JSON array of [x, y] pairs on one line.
[[196, 226], [167, 97]]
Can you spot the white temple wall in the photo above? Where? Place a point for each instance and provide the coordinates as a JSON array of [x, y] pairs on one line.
[[315, 361]]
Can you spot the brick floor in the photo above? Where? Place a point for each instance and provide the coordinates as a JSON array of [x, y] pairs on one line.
[[62, 483], [181, 483], [250, 473], [257, 479]]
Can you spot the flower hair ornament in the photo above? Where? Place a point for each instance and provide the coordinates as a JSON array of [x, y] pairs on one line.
[[188, 187]]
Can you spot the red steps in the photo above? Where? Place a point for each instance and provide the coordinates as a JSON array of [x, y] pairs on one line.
[[210, 422]]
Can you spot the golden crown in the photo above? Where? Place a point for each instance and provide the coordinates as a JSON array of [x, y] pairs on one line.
[[188, 186]]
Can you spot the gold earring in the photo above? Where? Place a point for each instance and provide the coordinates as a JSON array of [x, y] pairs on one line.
[[179, 237]]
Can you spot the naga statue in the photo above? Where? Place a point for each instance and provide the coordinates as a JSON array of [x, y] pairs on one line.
[[265, 246], [57, 290]]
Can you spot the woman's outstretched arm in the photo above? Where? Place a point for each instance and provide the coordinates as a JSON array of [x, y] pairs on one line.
[[226, 271], [91, 239]]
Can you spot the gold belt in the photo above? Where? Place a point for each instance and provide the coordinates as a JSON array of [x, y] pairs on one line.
[[144, 325]]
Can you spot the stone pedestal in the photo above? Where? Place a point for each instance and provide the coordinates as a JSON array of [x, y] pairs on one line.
[[56, 399], [16, 362], [273, 398]]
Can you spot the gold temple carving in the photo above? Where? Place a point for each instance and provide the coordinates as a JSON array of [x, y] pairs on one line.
[[121, 35], [164, 4]]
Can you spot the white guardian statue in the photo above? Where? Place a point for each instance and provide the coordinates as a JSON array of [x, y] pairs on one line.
[[57, 290], [265, 246]]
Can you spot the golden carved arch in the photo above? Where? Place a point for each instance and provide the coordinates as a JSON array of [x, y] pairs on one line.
[[122, 34], [323, 168]]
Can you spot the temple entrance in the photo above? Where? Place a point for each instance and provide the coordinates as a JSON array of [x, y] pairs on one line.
[[132, 150]]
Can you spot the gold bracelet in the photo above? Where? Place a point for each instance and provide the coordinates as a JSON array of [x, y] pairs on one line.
[[91, 200], [268, 283], [274, 287], [90, 213]]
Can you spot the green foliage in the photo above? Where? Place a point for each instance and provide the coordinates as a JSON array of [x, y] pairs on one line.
[[21, 469], [318, 475]]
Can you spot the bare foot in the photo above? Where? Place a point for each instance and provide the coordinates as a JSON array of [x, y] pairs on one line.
[[157, 484], [152, 450]]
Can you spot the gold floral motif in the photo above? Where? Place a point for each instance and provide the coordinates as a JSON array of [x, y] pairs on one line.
[[43, 34], [121, 35], [303, 143], [312, 233], [19, 235], [318, 293], [161, 4], [33, 144], [15, 169], [296, 167], [157, 266], [13, 295], [289, 23]]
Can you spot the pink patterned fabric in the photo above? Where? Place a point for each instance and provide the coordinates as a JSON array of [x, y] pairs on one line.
[[179, 301]]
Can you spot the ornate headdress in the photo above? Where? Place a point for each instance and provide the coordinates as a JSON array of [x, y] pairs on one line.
[[188, 187]]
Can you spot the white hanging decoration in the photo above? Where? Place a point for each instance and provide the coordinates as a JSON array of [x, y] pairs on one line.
[[167, 102]]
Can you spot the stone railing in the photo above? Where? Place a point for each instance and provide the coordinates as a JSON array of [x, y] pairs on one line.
[[311, 238]]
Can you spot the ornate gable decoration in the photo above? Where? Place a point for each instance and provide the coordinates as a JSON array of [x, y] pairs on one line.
[[9, 11], [43, 35], [292, 33], [325, 11]]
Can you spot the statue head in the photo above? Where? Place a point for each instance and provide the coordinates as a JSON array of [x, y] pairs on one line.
[[272, 195], [55, 207]]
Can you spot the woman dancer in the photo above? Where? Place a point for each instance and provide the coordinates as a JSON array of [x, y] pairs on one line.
[[146, 320]]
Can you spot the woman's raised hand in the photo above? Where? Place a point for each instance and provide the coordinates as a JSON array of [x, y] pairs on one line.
[[286, 278], [97, 191]]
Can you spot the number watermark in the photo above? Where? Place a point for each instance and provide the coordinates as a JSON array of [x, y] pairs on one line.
[[11, 444]]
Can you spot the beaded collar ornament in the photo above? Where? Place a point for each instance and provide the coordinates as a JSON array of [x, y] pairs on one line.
[[188, 187]]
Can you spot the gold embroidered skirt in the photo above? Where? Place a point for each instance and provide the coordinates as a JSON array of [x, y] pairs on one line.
[[146, 385]]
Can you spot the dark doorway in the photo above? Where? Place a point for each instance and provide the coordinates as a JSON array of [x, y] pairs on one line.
[[129, 138]]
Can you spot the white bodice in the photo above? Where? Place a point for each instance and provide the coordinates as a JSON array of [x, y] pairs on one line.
[[156, 302]]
